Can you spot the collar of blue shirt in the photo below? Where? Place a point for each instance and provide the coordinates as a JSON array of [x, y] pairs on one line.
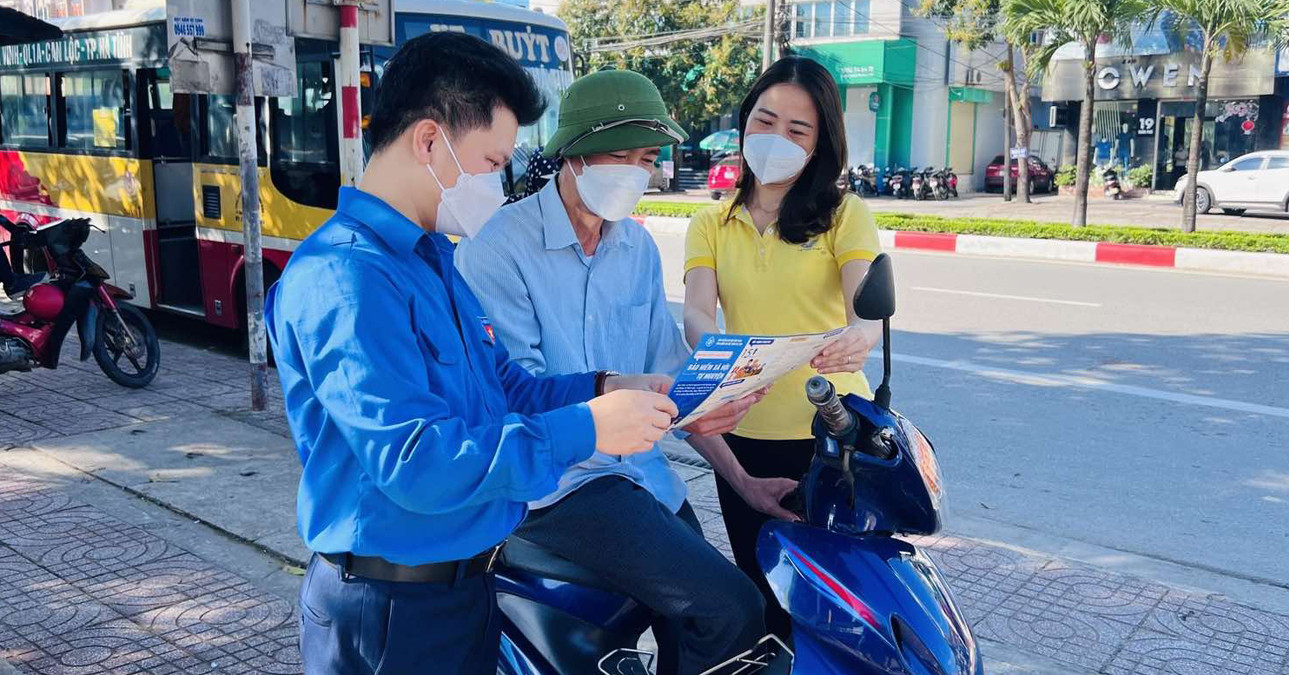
[[558, 229], [393, 228]]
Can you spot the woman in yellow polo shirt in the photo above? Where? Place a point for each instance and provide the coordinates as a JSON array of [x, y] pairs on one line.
[[784, 257]]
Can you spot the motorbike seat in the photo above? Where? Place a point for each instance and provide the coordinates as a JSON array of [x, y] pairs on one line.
[[525, 556]]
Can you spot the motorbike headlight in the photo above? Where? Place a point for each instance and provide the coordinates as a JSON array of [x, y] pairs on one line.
[[923, 455]]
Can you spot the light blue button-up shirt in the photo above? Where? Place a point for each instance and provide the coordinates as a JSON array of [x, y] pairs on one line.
[[558, 310]]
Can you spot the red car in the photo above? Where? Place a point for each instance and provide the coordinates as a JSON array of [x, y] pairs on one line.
[[1041, 177], [723, 176]]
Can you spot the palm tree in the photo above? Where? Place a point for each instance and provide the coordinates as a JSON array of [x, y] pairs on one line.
[[1085, 22], [1227, 28]]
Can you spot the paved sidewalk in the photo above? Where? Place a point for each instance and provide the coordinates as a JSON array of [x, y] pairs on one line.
[[90, 594], [86, 593]]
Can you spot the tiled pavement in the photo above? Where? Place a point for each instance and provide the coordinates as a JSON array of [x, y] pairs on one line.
[[85, 593]]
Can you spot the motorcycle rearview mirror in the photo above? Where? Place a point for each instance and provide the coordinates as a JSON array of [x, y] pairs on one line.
[[875, 297], [875, 301]]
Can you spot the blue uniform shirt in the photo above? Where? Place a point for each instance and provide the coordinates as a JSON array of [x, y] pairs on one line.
[[562, 311], [421, 441]]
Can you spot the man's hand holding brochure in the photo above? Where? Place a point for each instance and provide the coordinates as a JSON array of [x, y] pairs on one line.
[[725, 368]]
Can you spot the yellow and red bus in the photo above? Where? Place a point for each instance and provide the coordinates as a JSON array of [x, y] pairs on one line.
[[89, 127]]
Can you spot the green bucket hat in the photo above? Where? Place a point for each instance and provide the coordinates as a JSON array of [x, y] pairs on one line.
[[610, 111]]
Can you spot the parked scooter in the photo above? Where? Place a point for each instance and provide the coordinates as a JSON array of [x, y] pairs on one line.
[[951, 181], [918, 186], [940, 184], [935, 187], [1110, 180], [861, 601], [119, 336], [863, 180], [901, 182]]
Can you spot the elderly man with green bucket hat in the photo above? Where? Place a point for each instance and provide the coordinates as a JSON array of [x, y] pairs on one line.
[[572, 283]]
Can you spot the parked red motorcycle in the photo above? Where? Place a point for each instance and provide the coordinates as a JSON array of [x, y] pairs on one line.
[[119, 336]]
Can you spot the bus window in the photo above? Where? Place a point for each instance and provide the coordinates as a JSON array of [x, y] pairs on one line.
[[94, 110], [165, 116], [24, 110], [221, 127], [306, 144], [219, 134]]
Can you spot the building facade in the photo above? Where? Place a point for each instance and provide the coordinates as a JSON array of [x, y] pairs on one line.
[[911, 97], [1145, 102]]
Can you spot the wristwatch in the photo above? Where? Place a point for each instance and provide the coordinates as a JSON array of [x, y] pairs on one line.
[[600, 377]]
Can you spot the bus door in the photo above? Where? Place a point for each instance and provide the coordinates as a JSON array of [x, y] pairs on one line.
[[166, 126]]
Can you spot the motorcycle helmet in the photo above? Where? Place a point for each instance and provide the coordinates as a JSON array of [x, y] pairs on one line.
[[44, 301]]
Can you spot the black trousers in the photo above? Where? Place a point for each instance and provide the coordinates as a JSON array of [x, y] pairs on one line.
[[618, 530], [359, 626], [762, 459]]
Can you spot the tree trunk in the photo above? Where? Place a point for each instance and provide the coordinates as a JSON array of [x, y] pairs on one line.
[[1020, 120], [1084, 169], [1189, 204]]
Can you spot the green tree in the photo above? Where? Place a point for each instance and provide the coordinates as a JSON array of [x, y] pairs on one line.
[[699, 78], [978, 23], [1085, 22], [1227, 29]]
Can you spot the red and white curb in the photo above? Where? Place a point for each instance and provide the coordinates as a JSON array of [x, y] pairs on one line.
[[1197, 259]]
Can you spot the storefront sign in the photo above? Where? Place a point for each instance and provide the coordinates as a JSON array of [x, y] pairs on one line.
[[1164, 76], [867, 62], [874, 101], [1146, 122], [858, 72]]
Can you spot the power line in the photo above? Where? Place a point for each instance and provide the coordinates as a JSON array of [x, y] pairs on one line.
[[743, 29]]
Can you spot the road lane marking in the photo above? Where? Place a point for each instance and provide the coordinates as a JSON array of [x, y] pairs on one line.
[[1053, 380], [1002, 296]]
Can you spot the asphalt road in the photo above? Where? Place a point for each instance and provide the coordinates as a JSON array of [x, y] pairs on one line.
[[1123, 410]]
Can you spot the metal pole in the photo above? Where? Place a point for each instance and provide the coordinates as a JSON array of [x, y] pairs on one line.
[[248, 170], [1007, 146], [767, 43], [351, 147]]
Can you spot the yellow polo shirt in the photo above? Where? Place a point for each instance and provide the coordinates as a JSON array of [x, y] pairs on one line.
[[770, 287]]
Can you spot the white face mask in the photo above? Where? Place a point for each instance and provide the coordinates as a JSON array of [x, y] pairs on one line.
[[611, 191], [773, 158], [465, 207]]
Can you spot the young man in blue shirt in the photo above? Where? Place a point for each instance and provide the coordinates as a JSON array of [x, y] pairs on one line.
[[421, 441], [575, 284]]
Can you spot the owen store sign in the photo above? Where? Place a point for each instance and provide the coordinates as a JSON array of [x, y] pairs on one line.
[[1166, 76]]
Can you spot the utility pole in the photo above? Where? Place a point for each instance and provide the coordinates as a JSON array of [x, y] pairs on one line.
[[767, 43], [351, 146], [1007, 148], [248, 170]]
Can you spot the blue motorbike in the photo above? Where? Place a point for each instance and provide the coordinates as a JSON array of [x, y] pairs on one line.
[[861, 600]]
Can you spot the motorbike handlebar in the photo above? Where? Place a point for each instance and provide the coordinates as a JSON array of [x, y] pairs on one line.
[[836, 417]]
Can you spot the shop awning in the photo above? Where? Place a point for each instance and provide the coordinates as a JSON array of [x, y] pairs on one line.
[[866, 62], [17, 28]]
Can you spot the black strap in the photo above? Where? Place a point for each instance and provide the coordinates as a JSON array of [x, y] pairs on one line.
[[379, 569]]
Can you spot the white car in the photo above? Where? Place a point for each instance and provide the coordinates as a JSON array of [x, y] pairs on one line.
[[1256, 181]]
